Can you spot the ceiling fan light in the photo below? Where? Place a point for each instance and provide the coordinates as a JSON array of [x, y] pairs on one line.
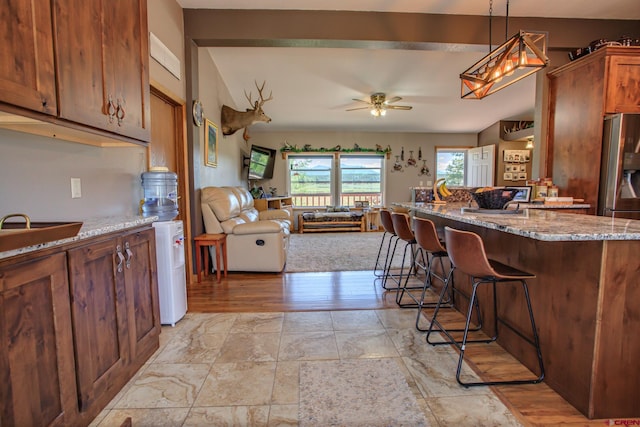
[[383, 112]]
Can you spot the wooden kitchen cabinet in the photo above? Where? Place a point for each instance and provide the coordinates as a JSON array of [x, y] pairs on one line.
[[94, 78], [27, 74], [37, 374], [116, 320], [76, 322], [141, 289], [581, 93], [103, 65]]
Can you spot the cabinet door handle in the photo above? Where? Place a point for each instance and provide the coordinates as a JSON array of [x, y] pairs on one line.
[[120, 257], [111, 109], [120, 113], [129, 254]]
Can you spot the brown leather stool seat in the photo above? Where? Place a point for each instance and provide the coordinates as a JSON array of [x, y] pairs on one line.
[[467, 253]]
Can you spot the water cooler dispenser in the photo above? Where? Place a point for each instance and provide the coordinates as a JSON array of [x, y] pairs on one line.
[[161, 199], [160, 193]]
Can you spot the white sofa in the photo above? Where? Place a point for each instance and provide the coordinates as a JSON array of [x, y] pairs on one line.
[[256, 241]]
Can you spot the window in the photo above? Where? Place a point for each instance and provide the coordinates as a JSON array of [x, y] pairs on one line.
[[361, 179], [310, 180], [340, 179], [450, 165]]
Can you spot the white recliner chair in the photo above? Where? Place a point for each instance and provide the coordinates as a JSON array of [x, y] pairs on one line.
[[256, 241]]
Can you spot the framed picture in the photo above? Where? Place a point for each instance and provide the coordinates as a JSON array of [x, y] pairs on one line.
[[507, 176], [522, 176], [358, 203], [365, 204], [523, 195], [523, 168], [210, 144]]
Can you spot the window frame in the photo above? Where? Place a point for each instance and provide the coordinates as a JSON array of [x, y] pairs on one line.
[[336, 175], [453, 149]]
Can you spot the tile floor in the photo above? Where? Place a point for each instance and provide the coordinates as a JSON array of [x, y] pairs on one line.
[[242, 369]]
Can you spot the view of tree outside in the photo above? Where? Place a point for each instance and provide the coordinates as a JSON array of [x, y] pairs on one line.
[[450, 166]]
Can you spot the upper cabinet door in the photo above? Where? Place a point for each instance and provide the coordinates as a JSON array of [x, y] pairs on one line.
[[103, 65], [27, 76]]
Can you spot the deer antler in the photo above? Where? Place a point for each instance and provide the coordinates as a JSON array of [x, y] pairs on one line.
[[248, 97], [262, 100]]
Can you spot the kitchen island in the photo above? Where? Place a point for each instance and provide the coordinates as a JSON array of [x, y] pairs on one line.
[[585, 298]]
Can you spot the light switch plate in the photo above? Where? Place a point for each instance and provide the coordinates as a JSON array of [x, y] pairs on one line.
[[76, 188]]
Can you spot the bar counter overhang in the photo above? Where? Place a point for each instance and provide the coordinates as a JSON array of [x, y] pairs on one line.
[[586, 299]]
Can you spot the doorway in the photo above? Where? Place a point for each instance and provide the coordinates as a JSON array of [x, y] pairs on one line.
[[168, 147]]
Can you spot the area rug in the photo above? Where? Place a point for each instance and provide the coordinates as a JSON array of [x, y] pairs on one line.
[[342, 251], [365, 392]]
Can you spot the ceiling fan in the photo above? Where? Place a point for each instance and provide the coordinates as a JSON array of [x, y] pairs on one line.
[[379, 104]]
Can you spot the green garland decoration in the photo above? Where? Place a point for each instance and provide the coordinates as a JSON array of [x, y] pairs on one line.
[[288, 148]]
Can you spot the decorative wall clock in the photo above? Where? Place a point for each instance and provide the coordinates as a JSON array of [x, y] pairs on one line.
[[197, 112]]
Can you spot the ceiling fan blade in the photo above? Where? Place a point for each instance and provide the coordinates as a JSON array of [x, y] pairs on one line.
[[399, 107], [394, 99], [359, 108], [360, 100]]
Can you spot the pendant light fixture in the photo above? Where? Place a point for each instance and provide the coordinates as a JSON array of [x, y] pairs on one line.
[[518, 57]]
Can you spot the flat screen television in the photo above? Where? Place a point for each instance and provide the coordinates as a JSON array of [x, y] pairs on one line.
[[261, 162]]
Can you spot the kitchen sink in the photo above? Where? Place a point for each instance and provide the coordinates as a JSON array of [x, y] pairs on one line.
[[15, 235]]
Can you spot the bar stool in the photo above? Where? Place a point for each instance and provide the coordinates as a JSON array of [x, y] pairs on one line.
[[429, 241], [402, 227], [466, 251], [385, 219], [387, 224]]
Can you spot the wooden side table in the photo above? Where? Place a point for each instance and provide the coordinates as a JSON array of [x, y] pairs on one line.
[[204, 241]]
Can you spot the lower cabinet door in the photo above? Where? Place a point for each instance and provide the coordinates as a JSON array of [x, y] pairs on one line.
[[141, 284], [99, 313], [37, 377]]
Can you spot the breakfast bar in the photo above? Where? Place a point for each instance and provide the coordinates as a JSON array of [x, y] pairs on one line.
[[585, 298]]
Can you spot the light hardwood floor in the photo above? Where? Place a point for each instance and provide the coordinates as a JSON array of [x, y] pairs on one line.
[[534, 405]]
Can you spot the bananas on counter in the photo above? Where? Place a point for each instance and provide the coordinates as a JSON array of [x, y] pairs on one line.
[[442, 188]]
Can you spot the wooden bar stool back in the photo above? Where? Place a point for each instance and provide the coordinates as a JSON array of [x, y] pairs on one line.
[[467, 252]]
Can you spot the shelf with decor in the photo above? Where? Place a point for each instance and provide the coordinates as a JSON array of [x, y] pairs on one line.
[[283, 202]]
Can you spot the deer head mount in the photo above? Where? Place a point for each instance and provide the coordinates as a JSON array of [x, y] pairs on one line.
[[233, 120]]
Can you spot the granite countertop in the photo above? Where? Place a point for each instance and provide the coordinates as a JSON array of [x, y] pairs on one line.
[[90, 228], [543, 206], [539, 224]]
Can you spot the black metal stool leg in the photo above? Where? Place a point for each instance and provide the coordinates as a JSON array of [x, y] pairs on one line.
[[376, 267], [430, 274], [447, 332], [535, 342], [405, 288]]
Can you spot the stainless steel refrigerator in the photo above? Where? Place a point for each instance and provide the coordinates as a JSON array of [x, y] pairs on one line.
[[619, 194]]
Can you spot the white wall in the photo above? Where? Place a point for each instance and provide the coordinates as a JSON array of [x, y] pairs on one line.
[[397, 183], [36, 172], [165, 20], [213, 94]]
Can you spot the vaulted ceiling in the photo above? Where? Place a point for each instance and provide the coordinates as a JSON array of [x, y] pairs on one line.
[[313, 86]]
